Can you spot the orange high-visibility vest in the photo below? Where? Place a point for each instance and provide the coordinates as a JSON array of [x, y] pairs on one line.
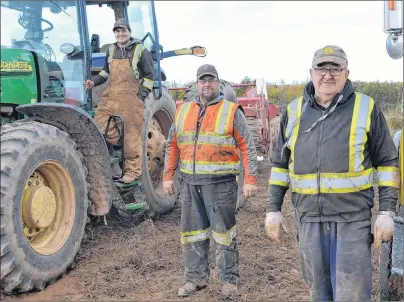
[[211, 149]]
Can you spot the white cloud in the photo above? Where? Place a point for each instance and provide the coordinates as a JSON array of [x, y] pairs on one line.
[[275, 39]]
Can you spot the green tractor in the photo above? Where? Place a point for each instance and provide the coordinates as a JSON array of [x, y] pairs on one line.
[[56, 168]]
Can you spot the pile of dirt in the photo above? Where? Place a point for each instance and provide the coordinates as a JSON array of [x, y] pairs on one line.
[[144, 262]]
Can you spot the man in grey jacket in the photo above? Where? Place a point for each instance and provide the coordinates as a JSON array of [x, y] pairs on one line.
[[330, 140]]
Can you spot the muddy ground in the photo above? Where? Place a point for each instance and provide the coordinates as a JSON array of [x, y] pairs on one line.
[[144, 262]]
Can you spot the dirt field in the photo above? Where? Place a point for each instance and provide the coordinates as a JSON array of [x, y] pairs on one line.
[[144, 262]]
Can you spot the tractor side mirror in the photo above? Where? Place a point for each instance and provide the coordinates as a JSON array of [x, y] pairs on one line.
[[95, 43]]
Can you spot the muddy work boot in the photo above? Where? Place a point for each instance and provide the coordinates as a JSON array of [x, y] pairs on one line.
[[127, 179], [229, 291], [188, 289]]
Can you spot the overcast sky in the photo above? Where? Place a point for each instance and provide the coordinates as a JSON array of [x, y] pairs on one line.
[[274, 39]]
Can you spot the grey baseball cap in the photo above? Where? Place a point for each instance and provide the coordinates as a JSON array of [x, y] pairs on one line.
[[330, 54], [206, 69], [121, 23]]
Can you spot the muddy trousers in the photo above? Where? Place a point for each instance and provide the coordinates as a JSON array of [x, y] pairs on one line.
[[209, 210], [132, 139], [336, 259]]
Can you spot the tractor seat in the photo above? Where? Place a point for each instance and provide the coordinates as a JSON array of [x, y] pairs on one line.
[[104, 48]]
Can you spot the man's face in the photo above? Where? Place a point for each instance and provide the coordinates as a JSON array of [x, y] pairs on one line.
[[122, 35], [208, 87], [329, 79]]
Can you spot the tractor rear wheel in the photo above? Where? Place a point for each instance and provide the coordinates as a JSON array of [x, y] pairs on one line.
[[43, 205], [158, 118]]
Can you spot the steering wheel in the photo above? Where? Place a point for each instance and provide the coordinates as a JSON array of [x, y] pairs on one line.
[[50, 25], [24, 21]]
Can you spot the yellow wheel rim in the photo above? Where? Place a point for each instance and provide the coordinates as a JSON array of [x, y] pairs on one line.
[[48, 208]]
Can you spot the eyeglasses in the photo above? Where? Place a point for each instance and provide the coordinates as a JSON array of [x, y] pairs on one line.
[[334, 71], [210, 81]]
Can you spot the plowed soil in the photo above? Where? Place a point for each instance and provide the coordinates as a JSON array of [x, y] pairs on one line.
[[144, 261]]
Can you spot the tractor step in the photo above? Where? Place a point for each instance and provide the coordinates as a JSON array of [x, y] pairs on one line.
[[115, 160], [135, 206], [122, 185]]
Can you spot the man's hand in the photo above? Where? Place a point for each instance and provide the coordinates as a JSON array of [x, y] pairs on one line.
[[273, 225], [168, 186], [384, 227], [249, 190], [88, 84]]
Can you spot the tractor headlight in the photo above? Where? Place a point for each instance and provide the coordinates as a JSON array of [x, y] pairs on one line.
[[67, 48]]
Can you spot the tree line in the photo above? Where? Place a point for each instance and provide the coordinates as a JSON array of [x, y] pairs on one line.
[[388, 95]]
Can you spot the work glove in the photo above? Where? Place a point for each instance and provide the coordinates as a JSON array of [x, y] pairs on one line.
[[141, 95], [249, 190], [273, 225], [384, 227]]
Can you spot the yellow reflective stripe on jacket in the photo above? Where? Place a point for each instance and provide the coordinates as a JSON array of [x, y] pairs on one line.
[[292, 128], [111, 51], [180, 120], [360, 126], [223, 118], [148, 83], [332, 182], [194, 236], [104, 74], [388, 176], [226, 238], [136, 58], [187, 166], [207, 139], [279, 177]]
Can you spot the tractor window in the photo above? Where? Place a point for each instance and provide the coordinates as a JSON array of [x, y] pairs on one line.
[[100, 21], [141, 20], [42, 27]]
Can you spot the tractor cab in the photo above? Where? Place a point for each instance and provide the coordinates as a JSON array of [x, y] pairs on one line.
[[41, 33], [57, 33]]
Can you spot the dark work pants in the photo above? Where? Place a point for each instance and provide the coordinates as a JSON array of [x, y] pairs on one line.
[[336, 259], [209, 209]]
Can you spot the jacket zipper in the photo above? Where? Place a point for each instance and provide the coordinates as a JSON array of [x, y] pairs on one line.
[[198, 127], [320, 199]]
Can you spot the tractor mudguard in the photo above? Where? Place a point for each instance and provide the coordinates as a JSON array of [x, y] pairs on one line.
[[89, 139]]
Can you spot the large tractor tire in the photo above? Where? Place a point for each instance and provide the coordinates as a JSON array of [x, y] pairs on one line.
[[158, 118], [43, 205]]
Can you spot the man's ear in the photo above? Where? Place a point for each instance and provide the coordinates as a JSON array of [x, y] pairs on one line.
[[311, 71], [347, 73]]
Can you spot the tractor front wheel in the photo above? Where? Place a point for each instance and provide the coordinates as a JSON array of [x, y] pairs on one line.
[[43, 205]]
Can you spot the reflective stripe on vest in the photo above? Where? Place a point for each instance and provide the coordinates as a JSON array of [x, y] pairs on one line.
[[208, 167], [388, 176], [215, 138], [357, 178], [194, 236], [360, 126], [104, 74], [135, 59], [226, 238], [332, 182], [292, 128], [279, 177]]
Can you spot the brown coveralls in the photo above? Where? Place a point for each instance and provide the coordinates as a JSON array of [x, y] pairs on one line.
[[120, 98]]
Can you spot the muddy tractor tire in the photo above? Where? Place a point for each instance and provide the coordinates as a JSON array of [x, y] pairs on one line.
[[43, 205], [158, 118]]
